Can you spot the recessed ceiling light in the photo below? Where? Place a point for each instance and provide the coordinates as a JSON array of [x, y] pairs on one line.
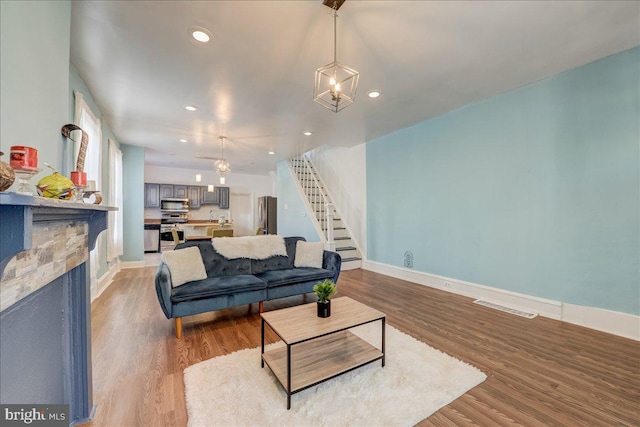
[[191, 108], [374, 93], [200, 34], [272, 152], [182, 140], [308, 133]]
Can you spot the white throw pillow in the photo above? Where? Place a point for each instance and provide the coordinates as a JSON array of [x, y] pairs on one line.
[[185, 265], [309, 254]]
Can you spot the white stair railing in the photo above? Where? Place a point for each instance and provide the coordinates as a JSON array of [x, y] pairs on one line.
[[331, 213], [323, 209]]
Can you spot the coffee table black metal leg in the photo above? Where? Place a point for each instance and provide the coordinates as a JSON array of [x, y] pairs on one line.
[[383, 338], [262, 349], [288, 377]]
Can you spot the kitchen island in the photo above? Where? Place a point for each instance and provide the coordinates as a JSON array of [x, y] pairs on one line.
[[199, 227]]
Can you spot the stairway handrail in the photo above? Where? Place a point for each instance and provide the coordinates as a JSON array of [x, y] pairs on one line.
[[327, 208], [329, 197]]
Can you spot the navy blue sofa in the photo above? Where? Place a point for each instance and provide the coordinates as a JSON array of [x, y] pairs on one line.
[[233, 282]]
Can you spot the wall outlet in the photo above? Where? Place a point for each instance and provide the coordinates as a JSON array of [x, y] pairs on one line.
[[408, 259]]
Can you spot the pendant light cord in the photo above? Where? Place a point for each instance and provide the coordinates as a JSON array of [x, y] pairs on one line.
[[335, 31]]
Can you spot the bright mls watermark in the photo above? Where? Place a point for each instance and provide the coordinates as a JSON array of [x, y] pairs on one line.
[[34, 415]]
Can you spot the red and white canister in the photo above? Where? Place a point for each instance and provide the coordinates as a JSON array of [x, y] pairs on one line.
[[23, 158]]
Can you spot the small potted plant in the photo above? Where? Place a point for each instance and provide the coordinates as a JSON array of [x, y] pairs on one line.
[[324, 291]]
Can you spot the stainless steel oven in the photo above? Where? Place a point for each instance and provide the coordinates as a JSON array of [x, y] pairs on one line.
[[166, 234], [173, 218]]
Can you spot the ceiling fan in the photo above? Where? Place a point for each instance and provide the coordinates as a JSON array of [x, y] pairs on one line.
[[208, 158], [221, 165], [217, 159]]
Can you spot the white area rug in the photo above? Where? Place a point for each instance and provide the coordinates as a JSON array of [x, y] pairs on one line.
[[417, 380]]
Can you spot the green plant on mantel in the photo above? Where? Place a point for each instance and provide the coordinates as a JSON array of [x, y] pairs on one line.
[[324, 290]]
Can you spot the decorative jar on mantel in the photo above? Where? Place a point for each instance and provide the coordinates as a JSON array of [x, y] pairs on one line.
[[7, 175]]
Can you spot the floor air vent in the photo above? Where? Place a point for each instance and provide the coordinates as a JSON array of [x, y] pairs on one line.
[[506, 309]]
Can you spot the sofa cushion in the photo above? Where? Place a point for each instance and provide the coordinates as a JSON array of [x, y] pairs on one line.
[[274, 263], [290, 243], [214, 286], [275, 278], [309, 254], [185, 265], [217, 265], [277, 262]]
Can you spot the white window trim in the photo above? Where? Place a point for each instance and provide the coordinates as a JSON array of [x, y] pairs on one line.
[[115, 234], [80, 105]]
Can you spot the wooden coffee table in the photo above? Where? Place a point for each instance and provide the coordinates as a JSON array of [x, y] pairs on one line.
[[318, 349]]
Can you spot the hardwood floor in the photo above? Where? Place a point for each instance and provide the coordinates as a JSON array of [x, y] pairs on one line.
[[540, 372]]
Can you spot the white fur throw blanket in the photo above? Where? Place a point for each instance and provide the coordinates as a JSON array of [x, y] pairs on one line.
[[254, 247]]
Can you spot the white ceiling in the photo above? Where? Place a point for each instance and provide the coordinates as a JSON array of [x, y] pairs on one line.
[[254, 81]]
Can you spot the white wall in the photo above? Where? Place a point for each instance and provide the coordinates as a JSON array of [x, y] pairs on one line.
[[34, 77], [257, 185], [293, 218], [344, 172]]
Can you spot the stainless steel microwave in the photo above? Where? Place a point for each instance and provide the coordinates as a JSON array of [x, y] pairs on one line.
[[174, 205]]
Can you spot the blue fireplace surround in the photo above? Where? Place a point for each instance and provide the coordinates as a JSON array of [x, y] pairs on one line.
[[45, 337]]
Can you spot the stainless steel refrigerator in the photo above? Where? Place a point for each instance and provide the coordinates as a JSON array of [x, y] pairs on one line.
[[268, 214]]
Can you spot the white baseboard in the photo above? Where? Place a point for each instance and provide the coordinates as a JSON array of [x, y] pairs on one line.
[[105, 281], [613, 322], [131, 264]]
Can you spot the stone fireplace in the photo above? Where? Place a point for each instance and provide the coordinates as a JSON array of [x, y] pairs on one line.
[[45, 312]]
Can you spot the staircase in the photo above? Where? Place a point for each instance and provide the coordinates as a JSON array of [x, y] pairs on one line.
[[328, 222]]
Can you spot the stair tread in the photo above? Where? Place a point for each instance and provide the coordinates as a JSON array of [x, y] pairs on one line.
[[307, 175], [353, 258]]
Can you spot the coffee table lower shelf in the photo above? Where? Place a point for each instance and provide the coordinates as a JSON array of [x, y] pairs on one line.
[[321, 359]]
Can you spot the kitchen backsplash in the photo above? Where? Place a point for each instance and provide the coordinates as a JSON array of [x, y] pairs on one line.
[[201, 213]]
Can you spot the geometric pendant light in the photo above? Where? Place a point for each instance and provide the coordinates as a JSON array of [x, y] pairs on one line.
[[335, 84]]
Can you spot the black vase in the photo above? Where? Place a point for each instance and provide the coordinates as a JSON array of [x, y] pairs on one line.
[[324, 309]]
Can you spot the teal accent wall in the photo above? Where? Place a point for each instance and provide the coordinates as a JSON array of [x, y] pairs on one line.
[[291, 221], [534, 191], [34, 77], [133, 202]]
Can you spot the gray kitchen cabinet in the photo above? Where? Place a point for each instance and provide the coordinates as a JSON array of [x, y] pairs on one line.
[[219, 196], [224, 198], [194, 196], [151, 195], [180, 191], [166, 191], [210, 197]]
